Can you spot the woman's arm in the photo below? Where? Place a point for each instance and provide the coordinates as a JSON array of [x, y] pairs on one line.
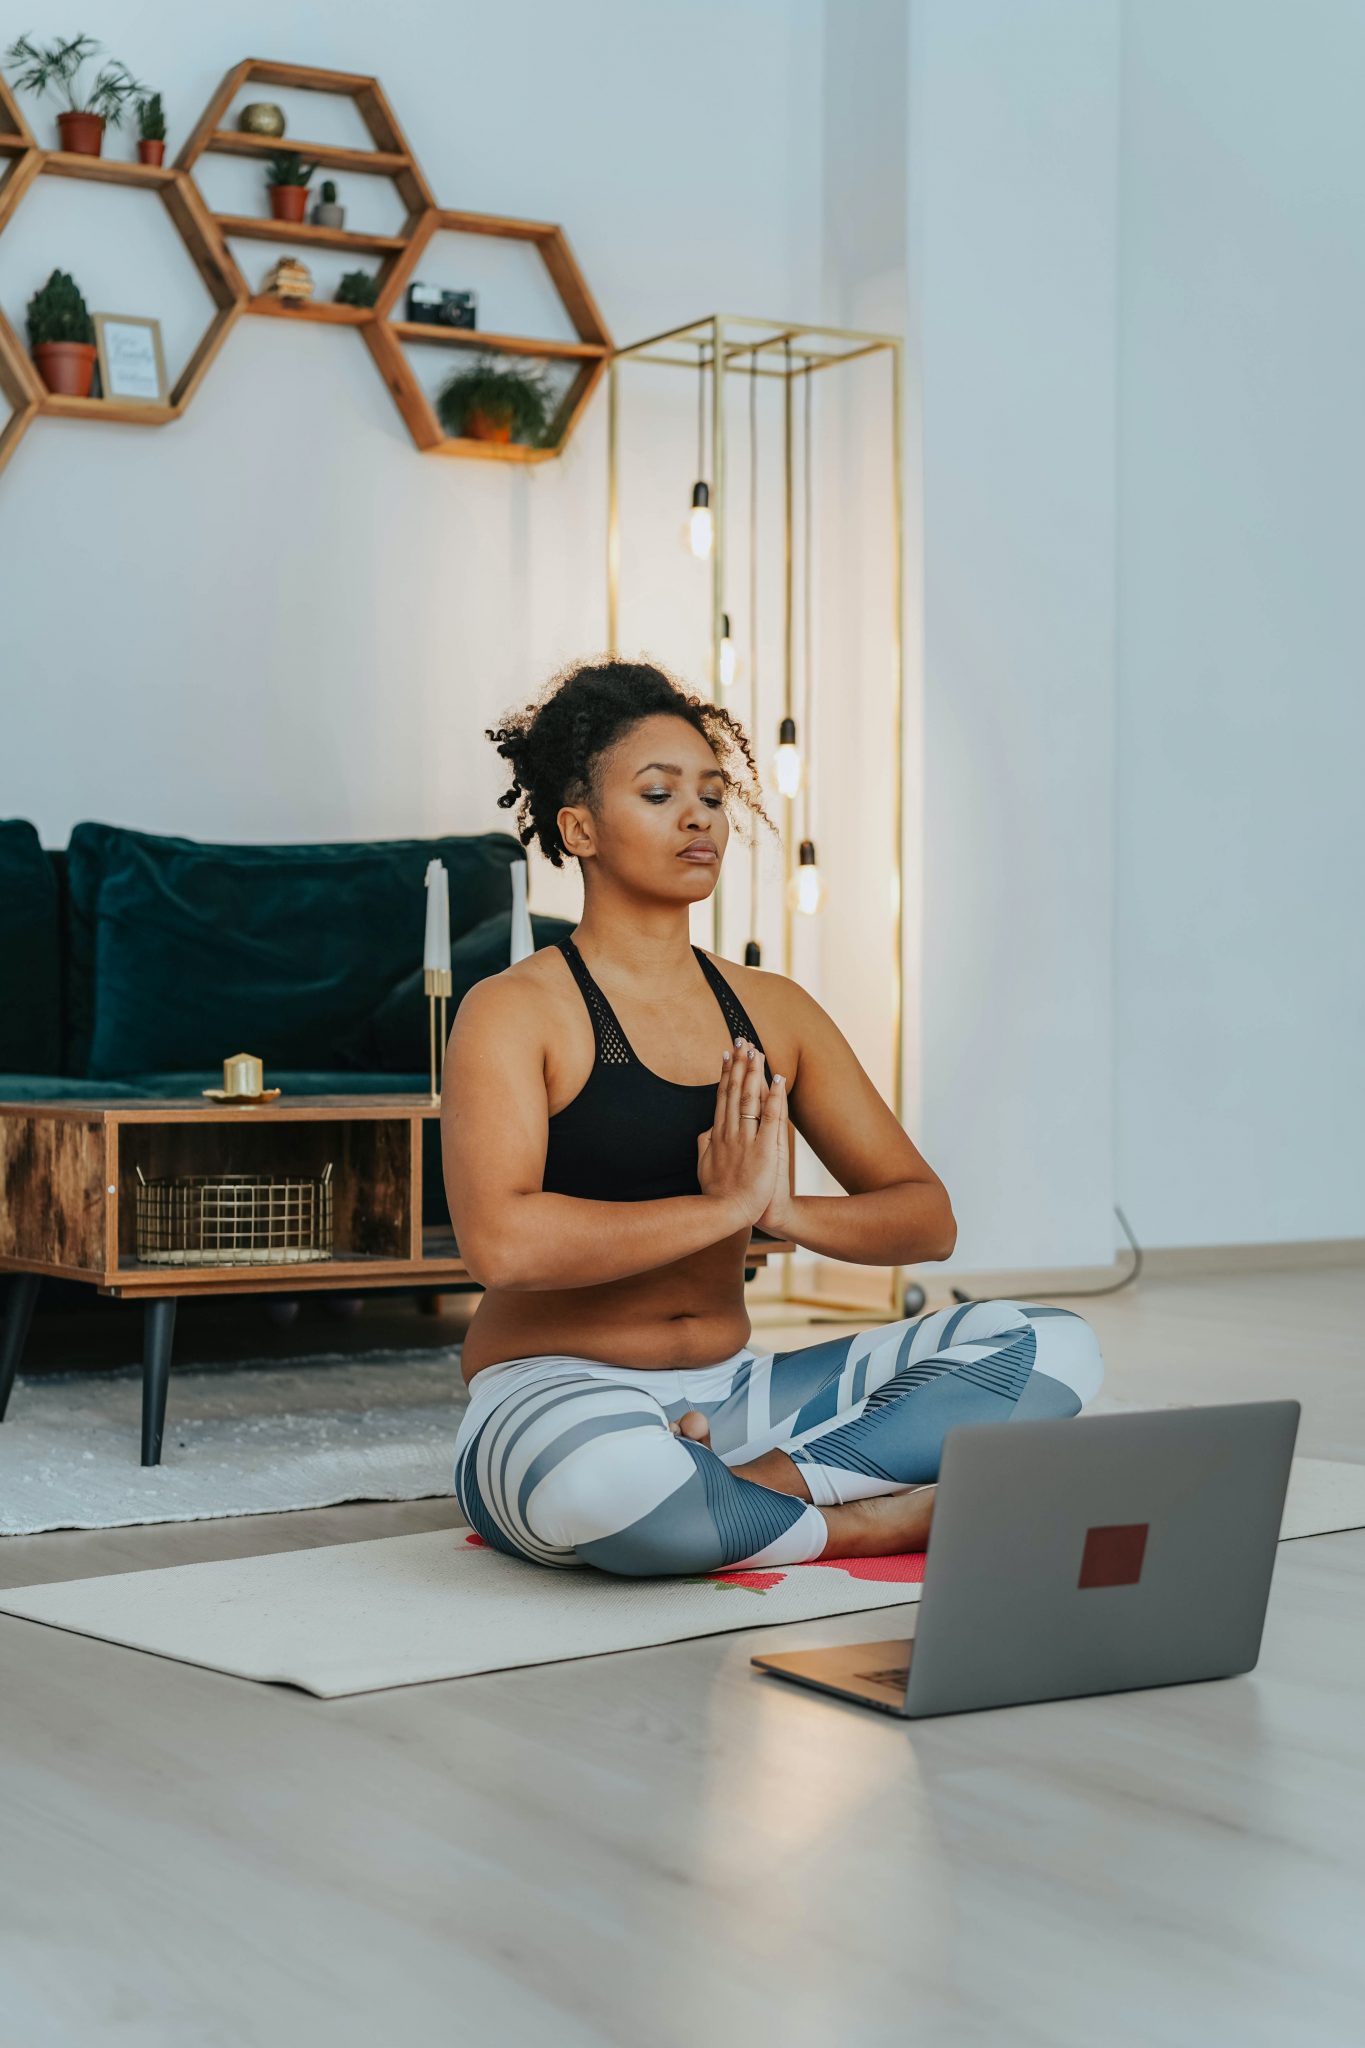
[[896, 1211], [494, 1127]]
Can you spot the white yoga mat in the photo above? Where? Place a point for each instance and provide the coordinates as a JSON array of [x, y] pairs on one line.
[[357, 1617]]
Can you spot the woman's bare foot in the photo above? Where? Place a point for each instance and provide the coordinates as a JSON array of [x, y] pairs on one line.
[[882, 1527], [693, 1425]]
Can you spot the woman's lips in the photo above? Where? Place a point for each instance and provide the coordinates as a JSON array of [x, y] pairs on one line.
[[700, 853]]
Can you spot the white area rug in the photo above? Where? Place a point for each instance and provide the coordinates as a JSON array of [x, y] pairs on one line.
[[251, 1438], [357, 1617]]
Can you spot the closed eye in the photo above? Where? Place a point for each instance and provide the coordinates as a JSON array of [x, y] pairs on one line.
[[717, 803]]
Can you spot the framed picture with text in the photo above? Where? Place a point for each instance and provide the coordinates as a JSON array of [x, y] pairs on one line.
[[132, 366]]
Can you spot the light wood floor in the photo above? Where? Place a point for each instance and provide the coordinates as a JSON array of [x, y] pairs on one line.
[[662, 1847]]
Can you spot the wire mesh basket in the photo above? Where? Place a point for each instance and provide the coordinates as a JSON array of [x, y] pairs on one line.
[[233, 1219]]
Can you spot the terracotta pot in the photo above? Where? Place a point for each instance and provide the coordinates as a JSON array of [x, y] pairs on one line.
[[66, 367], [485, 426], [149, 152], [289, 202], [81, 134]]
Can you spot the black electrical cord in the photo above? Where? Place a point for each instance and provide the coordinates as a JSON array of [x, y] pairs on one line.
[[1080, 1293]]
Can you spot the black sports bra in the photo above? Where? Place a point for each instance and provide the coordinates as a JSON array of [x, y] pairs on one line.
[[629, 1135]]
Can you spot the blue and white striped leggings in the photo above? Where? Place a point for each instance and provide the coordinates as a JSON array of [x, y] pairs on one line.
[[569, 1462]]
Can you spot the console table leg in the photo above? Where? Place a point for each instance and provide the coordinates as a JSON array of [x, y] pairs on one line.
[[23, 1294], [158, 1335]]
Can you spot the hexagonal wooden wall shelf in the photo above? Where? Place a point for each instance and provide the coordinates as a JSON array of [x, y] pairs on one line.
[[205, 235], [384, 337], [27, 393], [390, 158]]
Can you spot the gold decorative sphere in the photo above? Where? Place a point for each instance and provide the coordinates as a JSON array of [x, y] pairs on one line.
[[262, 117]]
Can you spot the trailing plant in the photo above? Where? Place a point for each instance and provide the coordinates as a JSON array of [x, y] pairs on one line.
[[57, 312], [357, 288], [57, 69], [519, 397], [151, 119], [288, 168]]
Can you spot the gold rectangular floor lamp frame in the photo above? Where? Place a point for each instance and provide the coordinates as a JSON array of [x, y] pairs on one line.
[[732, 344]]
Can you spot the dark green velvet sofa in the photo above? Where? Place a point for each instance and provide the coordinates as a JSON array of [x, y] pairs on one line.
[[134, 964]]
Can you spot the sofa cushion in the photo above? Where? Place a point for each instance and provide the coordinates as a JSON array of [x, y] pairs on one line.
[[182, 953], [397, 1034], [30, 947], [32, 1087]]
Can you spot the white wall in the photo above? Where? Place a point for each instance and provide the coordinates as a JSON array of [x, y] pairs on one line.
[[1240, 971], [1012, 136]]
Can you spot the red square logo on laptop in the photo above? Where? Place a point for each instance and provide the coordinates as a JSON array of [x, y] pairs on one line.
[[1113, 1555]]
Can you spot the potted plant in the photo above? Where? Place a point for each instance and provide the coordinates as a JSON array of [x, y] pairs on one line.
[[56, 69], [491, 401], [357, 288], [288, 179], [62, 337], [151, 130], [327, 214]]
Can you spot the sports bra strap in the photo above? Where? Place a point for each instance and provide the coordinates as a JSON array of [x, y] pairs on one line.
[[613, 1048], [736, 1016]]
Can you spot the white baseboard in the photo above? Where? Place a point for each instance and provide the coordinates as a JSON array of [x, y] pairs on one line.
[[870, 1283]]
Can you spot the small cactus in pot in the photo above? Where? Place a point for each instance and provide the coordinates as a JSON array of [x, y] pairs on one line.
[[61, 336], [151, 130], [327, 214], [287, 180]]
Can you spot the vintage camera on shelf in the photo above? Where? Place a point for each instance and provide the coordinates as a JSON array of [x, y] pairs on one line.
[[440, 308]]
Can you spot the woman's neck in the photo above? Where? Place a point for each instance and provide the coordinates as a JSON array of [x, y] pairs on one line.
[[653, 952]]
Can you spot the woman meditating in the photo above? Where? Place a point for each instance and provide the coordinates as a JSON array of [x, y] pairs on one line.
[[616, 1120]]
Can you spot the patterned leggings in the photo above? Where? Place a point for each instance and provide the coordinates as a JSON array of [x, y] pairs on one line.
[[569, 1462]]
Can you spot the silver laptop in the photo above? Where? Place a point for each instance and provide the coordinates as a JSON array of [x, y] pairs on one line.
[[1083, 1556]]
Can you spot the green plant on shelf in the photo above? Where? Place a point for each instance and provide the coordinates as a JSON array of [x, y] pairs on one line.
[[357, 288], [492, 401], [151, 119], [287, 167], [57, 312], [57, 69]]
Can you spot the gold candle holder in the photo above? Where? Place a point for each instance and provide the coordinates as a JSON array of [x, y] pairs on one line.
[[437, 983]]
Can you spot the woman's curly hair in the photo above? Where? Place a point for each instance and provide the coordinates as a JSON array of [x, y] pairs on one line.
[[554, 744]]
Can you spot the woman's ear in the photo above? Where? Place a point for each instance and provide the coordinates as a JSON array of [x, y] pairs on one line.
[[575, 829]]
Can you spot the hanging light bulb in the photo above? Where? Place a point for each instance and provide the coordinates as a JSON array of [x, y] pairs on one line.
[[753, 953], [727, 653], [701, 530], [787, 759], [806, 891]]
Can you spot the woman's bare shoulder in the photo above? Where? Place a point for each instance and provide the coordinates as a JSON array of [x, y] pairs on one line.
[[526, 996]]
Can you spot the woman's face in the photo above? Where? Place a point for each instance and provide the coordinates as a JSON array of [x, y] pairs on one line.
[[659, 821]]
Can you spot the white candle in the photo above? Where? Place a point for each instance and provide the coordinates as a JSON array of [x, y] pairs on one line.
[[436, 952], [523, 936]]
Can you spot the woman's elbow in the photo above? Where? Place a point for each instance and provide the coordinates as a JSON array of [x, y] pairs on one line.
[[492, 1265], [945, 1234]]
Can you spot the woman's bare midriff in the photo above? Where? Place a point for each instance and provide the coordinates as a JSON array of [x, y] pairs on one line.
[[686, 1314]]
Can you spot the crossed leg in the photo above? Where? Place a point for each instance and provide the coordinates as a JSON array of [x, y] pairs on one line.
[[802, 1454]]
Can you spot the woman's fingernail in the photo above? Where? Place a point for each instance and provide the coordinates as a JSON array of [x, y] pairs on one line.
[[739, 1045], [778, 1081], [726, 1058]]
